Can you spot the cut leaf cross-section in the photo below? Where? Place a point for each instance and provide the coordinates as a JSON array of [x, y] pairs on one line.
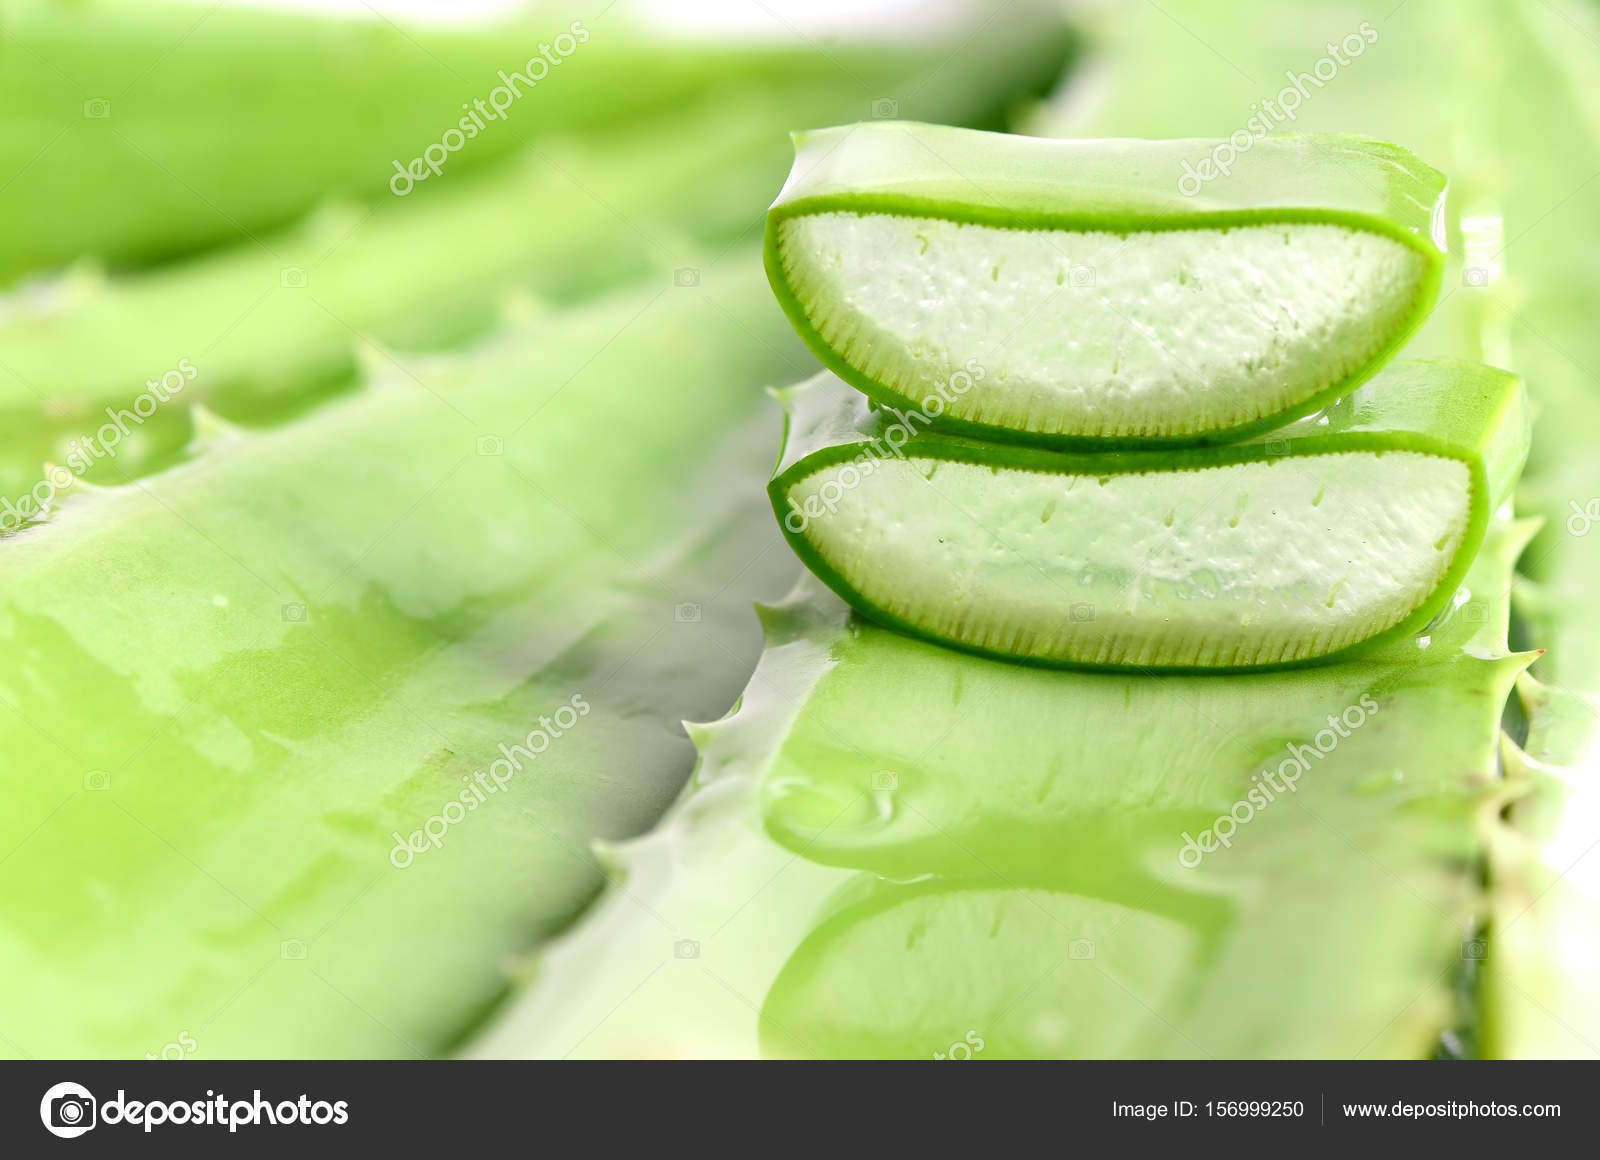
[[1333, 534], [1100, 301]]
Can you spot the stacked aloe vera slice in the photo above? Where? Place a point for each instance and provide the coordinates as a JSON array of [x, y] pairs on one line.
[[1105, 420]]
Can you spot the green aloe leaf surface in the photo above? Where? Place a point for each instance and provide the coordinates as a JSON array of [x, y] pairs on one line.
[[138, 130], [274, 792], [888, 846]]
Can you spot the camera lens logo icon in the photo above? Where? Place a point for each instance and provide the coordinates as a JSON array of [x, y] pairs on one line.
[[67, 1110]]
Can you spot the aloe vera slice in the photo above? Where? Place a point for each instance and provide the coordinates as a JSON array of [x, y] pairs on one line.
[[1100, 301], [1334, 534]]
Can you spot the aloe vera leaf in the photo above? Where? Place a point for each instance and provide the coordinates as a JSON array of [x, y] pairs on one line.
[[280, 317], [1538, 995], [1530, 209], [1073, 908], [314, 640], [1542, 295], [137, 131], [269, 330], [43, 436], [905, 254], [269, 324], [888, 845], [1329, 537]]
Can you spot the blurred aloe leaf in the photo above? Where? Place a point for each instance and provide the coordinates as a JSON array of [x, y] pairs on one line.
[[317, 632], [133, 131], [1540, 998], [273, 323]]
